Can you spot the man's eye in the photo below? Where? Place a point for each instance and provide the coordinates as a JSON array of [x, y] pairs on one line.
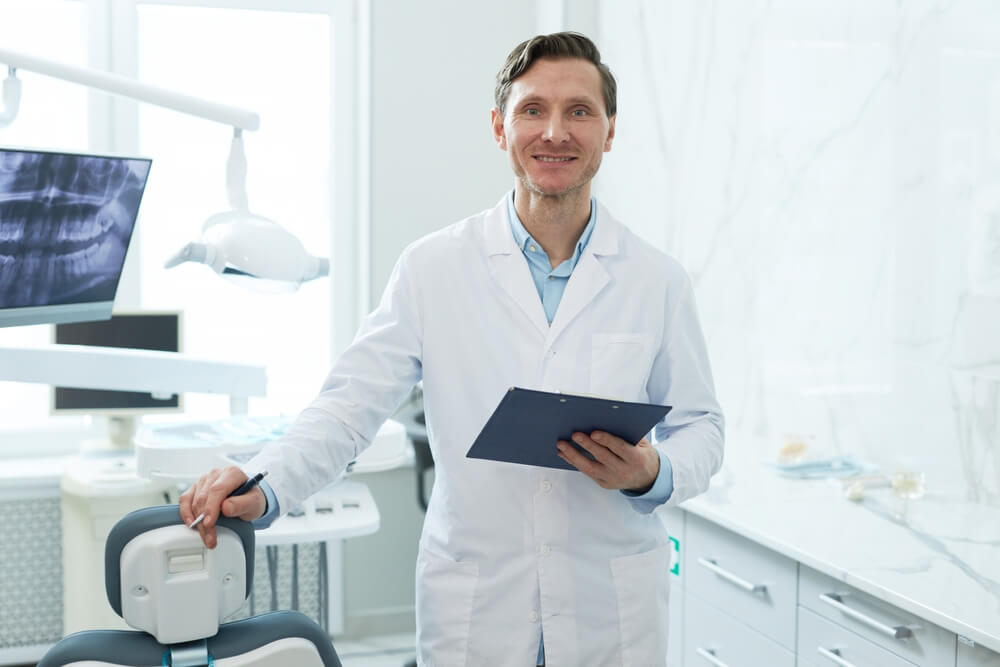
[[580, 112], [532, 112]]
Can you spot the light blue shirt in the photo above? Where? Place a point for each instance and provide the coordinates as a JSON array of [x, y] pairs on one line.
[[550, 283]]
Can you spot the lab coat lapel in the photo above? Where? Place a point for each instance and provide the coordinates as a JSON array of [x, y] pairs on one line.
[[510, 268], [589, 277]]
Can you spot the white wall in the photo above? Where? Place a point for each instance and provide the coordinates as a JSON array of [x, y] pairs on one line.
[[433, 160], [828, 173]]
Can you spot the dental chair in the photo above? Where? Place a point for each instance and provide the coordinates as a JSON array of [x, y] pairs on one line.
[[162, 580]]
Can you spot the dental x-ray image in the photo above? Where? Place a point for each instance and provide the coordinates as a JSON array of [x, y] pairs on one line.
[[65, 224]]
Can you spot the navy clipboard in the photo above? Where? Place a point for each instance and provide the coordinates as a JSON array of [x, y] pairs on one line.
[[526, 425]]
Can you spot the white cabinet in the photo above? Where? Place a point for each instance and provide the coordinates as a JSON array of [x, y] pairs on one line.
[[972, 655], [715, 639], [736, 603], [822, 642], [900, 632], [747, 581], [739, 600]]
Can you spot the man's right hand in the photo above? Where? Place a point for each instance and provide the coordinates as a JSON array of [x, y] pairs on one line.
[[210, 495]]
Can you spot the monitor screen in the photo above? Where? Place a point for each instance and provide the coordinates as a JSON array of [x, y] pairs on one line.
[[66, 220], [144, 331]]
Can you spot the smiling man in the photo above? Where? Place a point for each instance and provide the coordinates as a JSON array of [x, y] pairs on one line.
[[520, 565]]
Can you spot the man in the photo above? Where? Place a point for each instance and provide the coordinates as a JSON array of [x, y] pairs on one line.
[[547, 291]]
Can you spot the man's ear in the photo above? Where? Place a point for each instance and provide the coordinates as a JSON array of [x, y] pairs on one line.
[[499, 136], [611, 133]]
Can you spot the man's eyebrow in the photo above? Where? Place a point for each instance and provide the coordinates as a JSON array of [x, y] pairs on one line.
[[534, 99]]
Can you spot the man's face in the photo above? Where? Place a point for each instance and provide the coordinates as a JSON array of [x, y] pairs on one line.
[[555, 128]]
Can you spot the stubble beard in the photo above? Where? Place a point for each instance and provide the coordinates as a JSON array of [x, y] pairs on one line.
[[568, 194]]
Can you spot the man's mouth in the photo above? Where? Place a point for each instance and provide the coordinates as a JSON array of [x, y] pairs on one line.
[[554, 158]]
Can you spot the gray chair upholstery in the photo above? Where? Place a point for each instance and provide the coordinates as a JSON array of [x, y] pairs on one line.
[[275, 639]]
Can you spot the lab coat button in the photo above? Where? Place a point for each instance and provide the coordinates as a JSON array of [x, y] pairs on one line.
[[533, 617], [545, 550], [546, 486]]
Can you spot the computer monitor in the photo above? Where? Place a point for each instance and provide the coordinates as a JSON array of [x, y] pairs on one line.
[[66, 220], [146, 330]]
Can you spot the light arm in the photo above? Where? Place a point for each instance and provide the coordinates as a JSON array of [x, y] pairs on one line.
[[126, 87]]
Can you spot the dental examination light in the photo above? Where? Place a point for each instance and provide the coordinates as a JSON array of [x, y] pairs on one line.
[[237, 244], [247, 248]]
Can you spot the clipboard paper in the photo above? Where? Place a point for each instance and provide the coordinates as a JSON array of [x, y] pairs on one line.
[[527, 423]]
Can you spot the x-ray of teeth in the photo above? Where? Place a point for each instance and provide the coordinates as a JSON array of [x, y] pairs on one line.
[[65, 224]]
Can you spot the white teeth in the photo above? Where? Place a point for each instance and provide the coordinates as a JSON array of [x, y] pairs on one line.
[[110, 215], [554, 159], [80, 230], [11, 230]]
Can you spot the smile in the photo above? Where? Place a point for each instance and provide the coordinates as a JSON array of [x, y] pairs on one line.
[[544, 158]]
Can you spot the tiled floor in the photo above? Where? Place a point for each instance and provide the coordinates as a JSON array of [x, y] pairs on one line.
[[378, 651]]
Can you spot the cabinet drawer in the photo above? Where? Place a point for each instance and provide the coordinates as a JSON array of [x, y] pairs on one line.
[[751, 582], [715, 639], [973, 655], [876, 620], [823, 642]]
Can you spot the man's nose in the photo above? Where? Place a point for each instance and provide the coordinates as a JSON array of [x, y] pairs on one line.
[[556, 129]]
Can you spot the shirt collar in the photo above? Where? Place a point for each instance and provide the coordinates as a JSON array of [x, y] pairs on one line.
[[523, 238]]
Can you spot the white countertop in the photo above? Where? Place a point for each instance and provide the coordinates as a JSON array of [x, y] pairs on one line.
[[937, 557]]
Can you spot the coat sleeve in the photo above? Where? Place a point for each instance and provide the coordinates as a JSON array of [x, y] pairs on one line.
[[364, 387], [691, 435]]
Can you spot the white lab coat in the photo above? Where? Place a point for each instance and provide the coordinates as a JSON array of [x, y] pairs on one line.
[[507, 549]]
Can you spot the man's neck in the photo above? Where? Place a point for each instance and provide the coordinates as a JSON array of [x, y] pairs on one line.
[[555, 222]]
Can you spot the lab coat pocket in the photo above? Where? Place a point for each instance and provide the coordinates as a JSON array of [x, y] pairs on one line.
[[642, 587], [445, 590], [620, 365]]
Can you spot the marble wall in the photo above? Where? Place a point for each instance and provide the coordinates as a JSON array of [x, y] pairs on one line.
[[829, 173]]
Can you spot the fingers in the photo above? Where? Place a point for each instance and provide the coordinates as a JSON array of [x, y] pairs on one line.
[[617, 464], [187, 516], [207, 496], [248, 507], [593, 469], [599, 445]]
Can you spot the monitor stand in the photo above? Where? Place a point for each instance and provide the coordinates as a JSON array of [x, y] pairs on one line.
[[120, 432]]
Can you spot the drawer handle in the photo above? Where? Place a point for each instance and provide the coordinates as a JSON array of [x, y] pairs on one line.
[[896, 632], [709, 655], [834, 655], [732, 578]]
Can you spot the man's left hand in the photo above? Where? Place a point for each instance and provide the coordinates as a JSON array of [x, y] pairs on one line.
[[617, 464]]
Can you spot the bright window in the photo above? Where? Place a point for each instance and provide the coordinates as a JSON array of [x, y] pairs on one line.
[[274, 58], [53, 114], [277, 64]]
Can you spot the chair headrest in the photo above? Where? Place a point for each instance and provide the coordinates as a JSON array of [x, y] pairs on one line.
[[160, 578]]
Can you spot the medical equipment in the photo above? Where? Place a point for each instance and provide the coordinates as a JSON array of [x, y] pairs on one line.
[[161, 579], [146, 330], [123, 369], [262, 250], [66, 220], [183, 451]]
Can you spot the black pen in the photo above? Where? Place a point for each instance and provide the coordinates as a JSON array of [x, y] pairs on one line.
[[243, 488]]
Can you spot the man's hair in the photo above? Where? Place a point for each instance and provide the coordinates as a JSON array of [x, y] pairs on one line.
[[556, 45]]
